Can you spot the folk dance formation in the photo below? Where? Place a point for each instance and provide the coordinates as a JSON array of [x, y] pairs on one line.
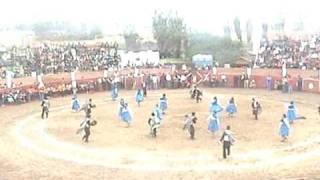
[[158, 112]]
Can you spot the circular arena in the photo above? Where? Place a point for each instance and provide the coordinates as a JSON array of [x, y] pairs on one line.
[[32, 148]]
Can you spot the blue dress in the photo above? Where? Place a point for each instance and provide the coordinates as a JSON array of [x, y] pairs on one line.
[[163, 104], [214, 124], [157, 111], [75, 105], [291, 113], [125, 114], [231, 108], [139, 97], [114, 92], [284, 128], [215, 107]]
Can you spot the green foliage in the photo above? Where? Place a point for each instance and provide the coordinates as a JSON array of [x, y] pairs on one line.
[[131, 38], [249, 34], [265, 30], [224, 50], [60, 30], [237, 28], [169, 30], [227, 31], [249, 31]]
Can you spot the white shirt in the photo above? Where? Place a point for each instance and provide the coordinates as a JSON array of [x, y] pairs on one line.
[[154, 79], [168, 77], [183, 78], [227, 136]]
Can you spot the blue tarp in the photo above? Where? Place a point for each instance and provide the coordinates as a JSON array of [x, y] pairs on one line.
[[201, 60]]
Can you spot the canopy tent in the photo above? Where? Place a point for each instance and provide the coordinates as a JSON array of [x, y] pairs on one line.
[[202, 60]]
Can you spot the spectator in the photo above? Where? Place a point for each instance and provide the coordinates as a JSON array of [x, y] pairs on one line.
[[252, 84], [299, 83]]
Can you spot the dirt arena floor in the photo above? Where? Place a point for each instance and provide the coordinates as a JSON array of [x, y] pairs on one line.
[[31, 148]]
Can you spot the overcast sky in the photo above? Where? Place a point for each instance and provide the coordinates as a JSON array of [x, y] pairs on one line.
[[202, 15]]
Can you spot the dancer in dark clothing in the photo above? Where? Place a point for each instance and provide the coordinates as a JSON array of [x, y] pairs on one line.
[[196, 94], [227, 140], [144, 89], [154, 124], [189, 124], [87, 108], [45, 107], [256, 108], [85, 126]]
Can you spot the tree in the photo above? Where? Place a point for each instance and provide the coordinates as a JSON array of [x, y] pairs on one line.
[[227, 31], [224, 50], [62, 30], [279, 25], [170, 31], [249, 33], [131, 38], [298, 25], [95, 33], [264, 30], [237, 28]]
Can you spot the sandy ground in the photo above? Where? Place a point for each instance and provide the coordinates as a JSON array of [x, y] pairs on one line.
[[32, 148]]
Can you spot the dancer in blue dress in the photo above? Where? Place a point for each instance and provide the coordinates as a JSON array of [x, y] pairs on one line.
[[125, 113], [215, 106], [291, 112], [114, 91], [163, 103], [232, 107], [158, 112], [214, 123], [284, 128], [139, 97], [121, 105], [75, 104]]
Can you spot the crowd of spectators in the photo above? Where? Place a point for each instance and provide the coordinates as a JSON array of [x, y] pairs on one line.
[[130, 81], [302, 53], [54, 58]]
